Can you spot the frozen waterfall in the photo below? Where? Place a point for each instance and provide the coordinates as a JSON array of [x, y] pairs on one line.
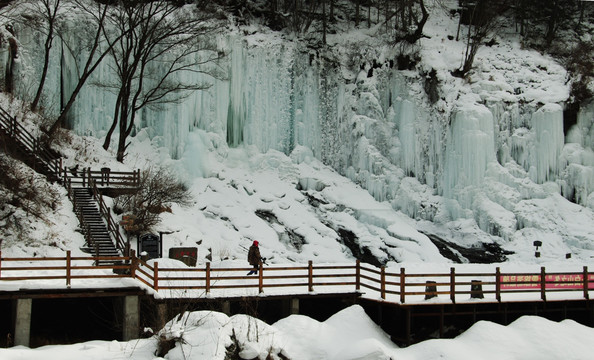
[[375, 129], [547, 123], [469, 149]]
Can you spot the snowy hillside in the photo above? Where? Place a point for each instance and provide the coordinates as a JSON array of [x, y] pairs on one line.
[[333, 154]]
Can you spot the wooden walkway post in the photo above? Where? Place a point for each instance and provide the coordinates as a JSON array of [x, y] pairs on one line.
[[543, 284], [261, 278], [156, 276], [586, 285], [310, 276], [383, 282], [402, 286], [68, 268], [133, 263], [358, 275], [0, 264], [453, 285], [498, 284], [207, 278]]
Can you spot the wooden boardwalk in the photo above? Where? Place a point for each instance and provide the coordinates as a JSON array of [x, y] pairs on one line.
[[410, 306], [379, 284]]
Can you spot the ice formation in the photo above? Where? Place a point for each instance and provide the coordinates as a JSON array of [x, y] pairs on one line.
[[478, 161]]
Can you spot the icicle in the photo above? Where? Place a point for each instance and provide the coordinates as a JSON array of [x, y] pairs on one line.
[[408, 137], [547, 124], [237, 112], [470, 147]]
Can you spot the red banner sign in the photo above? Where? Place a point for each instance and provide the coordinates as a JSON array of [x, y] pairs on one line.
[[564, 281]]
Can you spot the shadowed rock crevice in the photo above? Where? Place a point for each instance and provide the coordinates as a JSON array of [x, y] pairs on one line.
[[481, 253], [362, 253], [285, 235]]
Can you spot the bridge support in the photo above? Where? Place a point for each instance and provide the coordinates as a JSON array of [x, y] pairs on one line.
[[226, 307], [22, 331], [162, 315], [294, 306], [131, 317]]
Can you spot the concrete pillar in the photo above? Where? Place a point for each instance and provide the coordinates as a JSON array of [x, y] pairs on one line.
[[162, 316], [22, 331], [131, 318], [226, 307], [294, 306]]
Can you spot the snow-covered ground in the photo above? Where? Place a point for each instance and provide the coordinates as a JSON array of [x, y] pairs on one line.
[[347, 335]]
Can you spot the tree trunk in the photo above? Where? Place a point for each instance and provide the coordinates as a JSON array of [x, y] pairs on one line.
[[116, 117], [357, 13], [89, 68], [9, 75], [48, 47], [324, 22]]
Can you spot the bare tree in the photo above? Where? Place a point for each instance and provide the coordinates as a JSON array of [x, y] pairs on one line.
[[42, 16], [96, 50], [159, 188], [410, 17], [160, 44], [49, 10], [482, 20]]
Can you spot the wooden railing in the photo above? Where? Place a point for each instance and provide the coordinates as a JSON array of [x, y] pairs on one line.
[[388, 286], [44, 154], [104, 210], [112, 226], [67, 268], [206, 279], [104, 177], [452, 284], [35, 146], [85, 177]]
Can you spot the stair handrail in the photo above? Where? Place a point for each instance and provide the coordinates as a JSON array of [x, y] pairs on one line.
[[34, 145]]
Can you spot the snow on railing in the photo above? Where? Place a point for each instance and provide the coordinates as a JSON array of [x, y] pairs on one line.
[[380, 284]]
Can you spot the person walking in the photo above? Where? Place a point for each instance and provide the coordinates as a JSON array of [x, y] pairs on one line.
[[254, 257]]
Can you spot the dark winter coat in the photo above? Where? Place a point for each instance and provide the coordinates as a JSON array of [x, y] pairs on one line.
[[254, 255]]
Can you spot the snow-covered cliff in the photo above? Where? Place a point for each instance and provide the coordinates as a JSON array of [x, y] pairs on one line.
[[490, 151]]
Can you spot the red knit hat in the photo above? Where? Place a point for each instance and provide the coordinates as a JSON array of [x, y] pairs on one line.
[[255, 242]]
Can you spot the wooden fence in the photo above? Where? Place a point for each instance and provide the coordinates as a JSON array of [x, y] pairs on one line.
[[43, 154], [90, 180], [104, 177], [67, 268], [388, 286]]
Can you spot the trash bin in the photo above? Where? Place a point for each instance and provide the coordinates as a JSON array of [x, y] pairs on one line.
[[476, 289], [430, 290]]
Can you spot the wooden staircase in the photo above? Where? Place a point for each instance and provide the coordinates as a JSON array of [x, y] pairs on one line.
[[101, 232], [32, 151], [99, 242]]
